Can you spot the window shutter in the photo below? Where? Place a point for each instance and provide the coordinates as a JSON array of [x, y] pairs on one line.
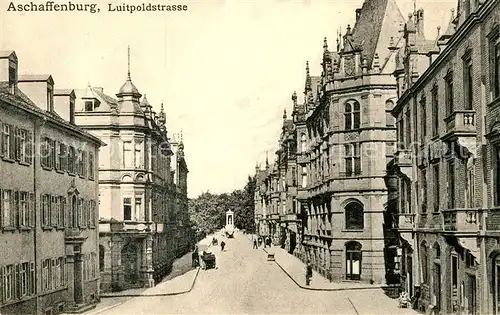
[[31, 212], [13, 142], [29, 147], [32, 286], [14, 201], [17, 281], [1, 208]]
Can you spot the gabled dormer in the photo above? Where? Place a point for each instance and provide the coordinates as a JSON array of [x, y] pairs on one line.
[[8, 69]]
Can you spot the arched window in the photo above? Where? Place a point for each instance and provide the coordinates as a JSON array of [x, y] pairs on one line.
[[353, 260], [354, 216], [352, 118], [437, 251], [101, 258], [74, 211], [303, 140], [424, 262]]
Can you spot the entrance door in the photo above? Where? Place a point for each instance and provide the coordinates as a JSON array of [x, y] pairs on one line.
[[129, 261], [471, 295], [437, 286], [353, 261]]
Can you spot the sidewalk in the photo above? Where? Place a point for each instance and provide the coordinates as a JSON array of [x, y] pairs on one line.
[[180, 280], [295, 269]]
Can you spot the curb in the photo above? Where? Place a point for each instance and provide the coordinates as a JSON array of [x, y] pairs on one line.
[[157, 294], [326, 289]]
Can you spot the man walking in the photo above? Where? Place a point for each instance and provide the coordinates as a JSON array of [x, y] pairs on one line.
[[222, 244], [255, 243]]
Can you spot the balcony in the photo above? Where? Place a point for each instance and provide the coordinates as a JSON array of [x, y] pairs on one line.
[[402, 158], [462, 221], [74, 235], [406, 221], [289, 217], [460, 124]]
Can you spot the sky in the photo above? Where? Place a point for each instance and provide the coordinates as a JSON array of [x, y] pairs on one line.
[[225, 70]]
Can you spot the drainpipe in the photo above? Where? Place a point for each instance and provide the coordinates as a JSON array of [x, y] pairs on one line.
[[36, 140]]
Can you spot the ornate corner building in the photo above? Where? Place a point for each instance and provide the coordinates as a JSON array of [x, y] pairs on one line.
[[328, 180], [444, 179], [48, 198], [143, 219]]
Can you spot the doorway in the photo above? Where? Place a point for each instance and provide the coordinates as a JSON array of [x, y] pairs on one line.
[[437, 286], [353, 261], [130, 265]]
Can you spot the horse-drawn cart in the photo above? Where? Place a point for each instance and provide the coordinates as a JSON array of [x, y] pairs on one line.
[[207, 259]]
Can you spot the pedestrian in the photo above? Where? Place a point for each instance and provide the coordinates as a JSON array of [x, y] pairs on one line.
[[222, 244], [255, 244], [195, 258], [309, 273]]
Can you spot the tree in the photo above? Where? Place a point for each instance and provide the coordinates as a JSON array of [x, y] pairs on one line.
[[208, 211]]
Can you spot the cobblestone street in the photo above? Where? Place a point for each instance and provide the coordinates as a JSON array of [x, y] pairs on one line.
[[246, 283]]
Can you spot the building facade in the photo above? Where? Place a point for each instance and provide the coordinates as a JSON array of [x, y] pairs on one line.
[[48, 198], [344, 135], [142, 198], [446, 169]]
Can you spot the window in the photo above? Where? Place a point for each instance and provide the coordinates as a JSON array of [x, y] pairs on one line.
[[58, 156], [6, 141], [8, 283], [423, 178], [496, 74], [57, 273], [454, 272], [449, 93], [84, 164], [45, 275], [45, 210], [304, 177], [352, 115], [138, 209], [425, 264], [71, 160], [128, 158], [423, 121], [101, 258], [352, 159], [435, 172], [23, 209], [354, 219], [89, 106], [138, 154], [407, 129], [294, 176], [468, 85], [303, 142], [12, 79], [451, 184], [435, 111], [23, 279], [62, 211], [80, 213], [50, 99], [127, 208]]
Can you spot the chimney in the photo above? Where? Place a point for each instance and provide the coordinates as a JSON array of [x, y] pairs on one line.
[[8, 70], [39, 89], [420, 22], [64, 104], [98, 89], [358, 14]]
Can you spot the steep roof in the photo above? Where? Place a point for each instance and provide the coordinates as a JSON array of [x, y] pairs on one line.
[[378, 21]]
